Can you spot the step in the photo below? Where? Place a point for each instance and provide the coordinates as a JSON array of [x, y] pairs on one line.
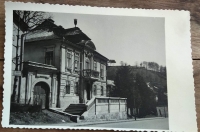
[[77, 105], [75, 108], [76, 114], [74, 111]]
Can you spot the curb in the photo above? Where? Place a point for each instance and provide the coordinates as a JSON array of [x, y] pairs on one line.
[[118, 121]]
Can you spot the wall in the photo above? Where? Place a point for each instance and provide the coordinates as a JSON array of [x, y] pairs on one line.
[[35, 51], [72, 98], [113, 111], [32, 79], [162, 111], [105, 107]]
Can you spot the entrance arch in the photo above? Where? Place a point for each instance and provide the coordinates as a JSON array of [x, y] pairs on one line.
[[41, 94]]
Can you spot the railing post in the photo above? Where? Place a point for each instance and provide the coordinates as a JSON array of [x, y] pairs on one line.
[[119, 105], [108, 105], [95, 105], [126, 109]]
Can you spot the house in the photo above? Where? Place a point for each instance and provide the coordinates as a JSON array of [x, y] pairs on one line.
[[63, 71]]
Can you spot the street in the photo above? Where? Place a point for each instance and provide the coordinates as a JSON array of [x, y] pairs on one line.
[[160, 123], [157, 123]]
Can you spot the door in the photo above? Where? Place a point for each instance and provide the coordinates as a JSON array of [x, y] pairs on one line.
[[41, 95], [88, 91]]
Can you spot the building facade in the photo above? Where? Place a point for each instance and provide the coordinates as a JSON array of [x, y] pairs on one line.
[[61, 67]]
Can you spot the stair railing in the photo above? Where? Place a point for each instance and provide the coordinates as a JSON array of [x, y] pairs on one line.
[[91, 103]]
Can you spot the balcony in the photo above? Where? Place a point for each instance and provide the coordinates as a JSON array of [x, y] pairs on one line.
[[88, 73]]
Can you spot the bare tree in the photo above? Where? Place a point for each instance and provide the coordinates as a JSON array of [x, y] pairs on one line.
[[33, 18]]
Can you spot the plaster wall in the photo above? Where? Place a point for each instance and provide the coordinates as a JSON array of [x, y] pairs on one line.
[[71, 98], [35, 51]]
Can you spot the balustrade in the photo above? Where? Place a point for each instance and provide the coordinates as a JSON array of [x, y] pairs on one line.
[[90, 73], [108, 104]]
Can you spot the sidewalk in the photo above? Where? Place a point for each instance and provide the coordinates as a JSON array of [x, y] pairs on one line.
[[105, 122]]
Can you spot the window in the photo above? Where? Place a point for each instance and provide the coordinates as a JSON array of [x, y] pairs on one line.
[[95, 65], [69, 59], [87, 64], [101, 90], [76, 61], [76, 88], [67, 88], [49, 57], [95, 90], [102, 71]]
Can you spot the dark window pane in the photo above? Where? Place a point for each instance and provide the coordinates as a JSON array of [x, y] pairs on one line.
[[49, 58], [102, 90], [67, 89]]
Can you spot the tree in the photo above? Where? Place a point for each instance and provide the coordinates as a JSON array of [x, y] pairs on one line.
[[124, 85], [32, 19], [146, 102], [141, 64]]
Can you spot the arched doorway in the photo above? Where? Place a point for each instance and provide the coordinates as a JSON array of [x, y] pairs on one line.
[[41, 94]]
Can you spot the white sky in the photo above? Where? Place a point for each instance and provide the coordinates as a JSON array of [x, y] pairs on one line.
[[122, 38]]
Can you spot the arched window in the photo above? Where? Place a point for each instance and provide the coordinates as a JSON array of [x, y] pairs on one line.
[[76, 61], [68, 59], [67, 87], [101, 90], [95, 90]]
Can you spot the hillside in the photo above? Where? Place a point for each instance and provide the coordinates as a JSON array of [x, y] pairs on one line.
[[156, 78]]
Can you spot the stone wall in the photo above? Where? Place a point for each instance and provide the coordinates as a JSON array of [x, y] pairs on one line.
[[104, 117]]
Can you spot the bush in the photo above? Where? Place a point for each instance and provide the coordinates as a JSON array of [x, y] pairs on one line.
[[15, 107]]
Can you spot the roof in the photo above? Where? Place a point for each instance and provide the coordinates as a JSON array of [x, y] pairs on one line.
[[49, 30], [74, 35], [100, 55], [40, 35]]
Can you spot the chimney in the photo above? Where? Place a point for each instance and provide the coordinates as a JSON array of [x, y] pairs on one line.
[[75, 22]]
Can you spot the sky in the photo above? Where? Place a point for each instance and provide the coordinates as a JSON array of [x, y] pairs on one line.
[[121, 38]]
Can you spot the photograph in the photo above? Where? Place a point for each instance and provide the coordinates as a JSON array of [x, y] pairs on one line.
[[88, 70]]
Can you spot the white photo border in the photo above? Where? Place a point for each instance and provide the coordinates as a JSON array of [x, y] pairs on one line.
[[180, 82]]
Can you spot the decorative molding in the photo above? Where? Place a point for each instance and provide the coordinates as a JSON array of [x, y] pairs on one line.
[[42, 76], [88, 54]]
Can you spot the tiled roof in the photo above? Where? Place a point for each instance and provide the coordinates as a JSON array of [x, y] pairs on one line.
[[40, 35], [50, 30]]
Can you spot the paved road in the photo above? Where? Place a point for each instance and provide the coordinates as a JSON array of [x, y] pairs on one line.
[[139, 124]]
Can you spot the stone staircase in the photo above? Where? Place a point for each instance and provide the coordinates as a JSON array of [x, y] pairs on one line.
[[76, 109]]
